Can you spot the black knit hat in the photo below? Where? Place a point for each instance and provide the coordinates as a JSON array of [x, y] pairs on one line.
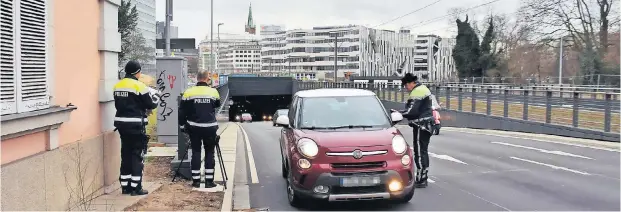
[[132, 67], [409, 77]]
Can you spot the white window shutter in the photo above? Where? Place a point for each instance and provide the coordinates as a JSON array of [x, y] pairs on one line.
[[8, 69], [33, 89]]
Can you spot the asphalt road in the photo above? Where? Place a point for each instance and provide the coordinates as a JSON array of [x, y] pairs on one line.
[[472, 172]]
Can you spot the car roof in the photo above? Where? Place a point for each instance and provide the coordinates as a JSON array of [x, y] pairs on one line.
[[245, 113], [284, 110], [331, 92]]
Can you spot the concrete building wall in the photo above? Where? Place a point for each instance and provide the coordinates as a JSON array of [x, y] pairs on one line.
[[43, 150]]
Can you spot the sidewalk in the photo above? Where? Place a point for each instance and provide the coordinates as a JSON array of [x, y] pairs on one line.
[[115, 201]]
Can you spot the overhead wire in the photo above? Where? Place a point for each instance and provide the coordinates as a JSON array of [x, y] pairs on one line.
[[410, 13]]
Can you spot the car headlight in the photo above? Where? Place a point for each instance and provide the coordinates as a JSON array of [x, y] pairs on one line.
[[308, 147], [237, 117], [264, 117], [399, 145]]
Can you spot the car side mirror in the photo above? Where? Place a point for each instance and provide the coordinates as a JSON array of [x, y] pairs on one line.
[[283, 121], [396, 117]]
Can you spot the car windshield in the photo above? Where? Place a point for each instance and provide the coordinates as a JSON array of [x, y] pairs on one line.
[[282, 112], [245, 114], [342, 112]]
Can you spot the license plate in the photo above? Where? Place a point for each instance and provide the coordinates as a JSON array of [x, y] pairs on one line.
[[359, 181]]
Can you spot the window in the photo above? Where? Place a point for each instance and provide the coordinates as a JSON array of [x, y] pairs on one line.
[[339, 111], [24, 51]]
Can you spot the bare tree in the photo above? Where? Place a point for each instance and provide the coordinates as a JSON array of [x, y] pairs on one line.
[[82, 193]]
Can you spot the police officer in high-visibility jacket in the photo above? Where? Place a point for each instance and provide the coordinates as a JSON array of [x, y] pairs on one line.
[[420, 116], [132, 100], [197, 117]]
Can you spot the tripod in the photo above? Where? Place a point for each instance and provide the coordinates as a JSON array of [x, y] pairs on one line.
[[218, 153]]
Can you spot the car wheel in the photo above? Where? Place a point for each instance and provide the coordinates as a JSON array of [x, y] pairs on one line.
[[293, 198], [406, 198]]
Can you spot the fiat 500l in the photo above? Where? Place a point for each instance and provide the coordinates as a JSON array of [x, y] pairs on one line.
[[341, 145]]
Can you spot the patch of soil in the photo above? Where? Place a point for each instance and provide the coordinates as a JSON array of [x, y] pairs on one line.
[[157, 169], [179, 196], [173, 196]]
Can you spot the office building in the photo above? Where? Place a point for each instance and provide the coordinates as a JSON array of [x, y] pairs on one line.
[[160, 29], [362, 51], [271, 29], [146, 26], [240, 58], [222, 42]]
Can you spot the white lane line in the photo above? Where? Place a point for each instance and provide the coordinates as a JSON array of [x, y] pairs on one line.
[[443, 157], [253, 168], [555, 152], [552, 166], [430, 180], [446, 157]]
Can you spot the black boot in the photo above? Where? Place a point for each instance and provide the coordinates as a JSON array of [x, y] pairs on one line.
[[209, 184], [126, 190], [421, 184], [196, 183], [139, 191]]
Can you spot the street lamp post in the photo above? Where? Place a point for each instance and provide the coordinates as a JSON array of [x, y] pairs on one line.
[[218, 46], [213, 63]]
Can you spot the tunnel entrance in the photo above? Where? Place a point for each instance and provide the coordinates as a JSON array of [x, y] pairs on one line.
[[258, 106]]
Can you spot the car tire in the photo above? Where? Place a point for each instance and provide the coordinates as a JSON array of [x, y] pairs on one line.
[[283, 169], [294, 199], [406, 198]]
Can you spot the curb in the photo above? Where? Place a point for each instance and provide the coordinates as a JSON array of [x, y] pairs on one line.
[[227, 200]]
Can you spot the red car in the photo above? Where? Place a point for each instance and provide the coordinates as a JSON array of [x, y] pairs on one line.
[[341, 145]]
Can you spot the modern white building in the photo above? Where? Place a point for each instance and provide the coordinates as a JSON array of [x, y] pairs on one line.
[[146, 26], [240, 57], [222, 42], [362, 51]]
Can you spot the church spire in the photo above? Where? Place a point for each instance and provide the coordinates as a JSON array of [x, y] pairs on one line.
[[250, 27]]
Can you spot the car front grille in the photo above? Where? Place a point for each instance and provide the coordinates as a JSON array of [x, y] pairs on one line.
[[362, 165]]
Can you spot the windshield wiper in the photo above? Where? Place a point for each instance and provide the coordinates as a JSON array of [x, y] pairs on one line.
[[315, 128], [351, 126]]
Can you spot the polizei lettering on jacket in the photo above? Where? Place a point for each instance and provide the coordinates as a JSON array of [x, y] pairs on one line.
[[202, 101], [121, 93]]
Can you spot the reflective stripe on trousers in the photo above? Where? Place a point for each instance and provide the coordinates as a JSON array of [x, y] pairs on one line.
[[133, 119]]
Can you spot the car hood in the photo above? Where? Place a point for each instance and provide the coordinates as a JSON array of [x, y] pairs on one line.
[[351, 137]]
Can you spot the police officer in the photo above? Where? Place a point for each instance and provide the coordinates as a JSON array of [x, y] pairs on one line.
[[420, 116], [197, 117], [132, 101]]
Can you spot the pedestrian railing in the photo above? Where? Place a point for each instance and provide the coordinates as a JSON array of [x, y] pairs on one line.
[[589, 110]]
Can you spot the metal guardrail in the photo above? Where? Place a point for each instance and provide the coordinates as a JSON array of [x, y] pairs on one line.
[[589, 110]]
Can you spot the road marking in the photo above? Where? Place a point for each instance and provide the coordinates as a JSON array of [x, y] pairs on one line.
[[430, 180], [552, 166], [253, 168], [556, 152], [446, 157]]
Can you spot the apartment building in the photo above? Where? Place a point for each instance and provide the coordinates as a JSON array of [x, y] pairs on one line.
[[57, 104], [147, 26], [240, 57], [362, 51]]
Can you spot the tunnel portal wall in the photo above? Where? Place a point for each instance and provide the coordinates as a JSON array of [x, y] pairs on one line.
[[257, 86]]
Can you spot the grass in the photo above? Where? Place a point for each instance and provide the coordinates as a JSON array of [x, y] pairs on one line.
[[562, 116]]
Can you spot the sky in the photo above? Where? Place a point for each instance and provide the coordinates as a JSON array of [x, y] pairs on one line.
[[193, 16]]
